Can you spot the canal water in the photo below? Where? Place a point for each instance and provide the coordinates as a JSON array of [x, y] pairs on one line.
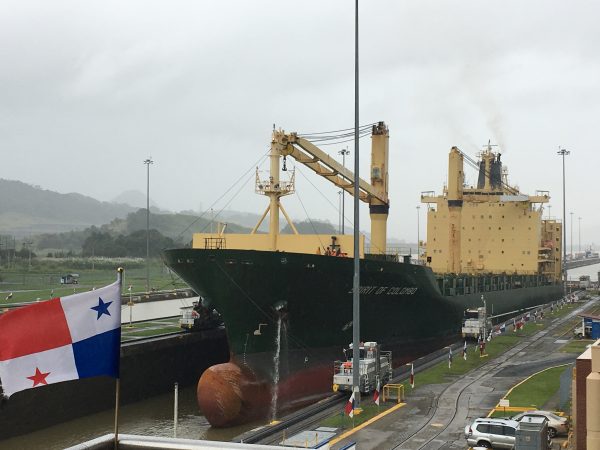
[[592, 271], [153, 417], [154, 310]]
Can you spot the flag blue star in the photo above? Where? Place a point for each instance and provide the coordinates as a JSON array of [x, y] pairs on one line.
[[102, 308]]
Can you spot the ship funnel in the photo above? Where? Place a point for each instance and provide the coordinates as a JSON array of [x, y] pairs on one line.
[[496, 173], [481, 179]]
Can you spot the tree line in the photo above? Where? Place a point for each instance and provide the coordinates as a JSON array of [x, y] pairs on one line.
[[100, 243]]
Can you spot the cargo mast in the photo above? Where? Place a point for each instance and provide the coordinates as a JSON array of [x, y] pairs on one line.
[[375, 193]]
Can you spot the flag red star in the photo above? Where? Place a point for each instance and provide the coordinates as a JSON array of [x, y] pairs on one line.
[[39, 377]]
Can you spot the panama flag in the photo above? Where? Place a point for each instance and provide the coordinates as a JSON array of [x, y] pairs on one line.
[[465, 351], [376, 394], [349, 409], [412, 376], [77, 336]]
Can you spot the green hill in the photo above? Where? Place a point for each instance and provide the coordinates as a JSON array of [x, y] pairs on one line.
[[26, 210], [63, 222]]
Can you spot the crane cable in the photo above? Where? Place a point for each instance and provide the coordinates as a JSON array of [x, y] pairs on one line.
[[257, 163]]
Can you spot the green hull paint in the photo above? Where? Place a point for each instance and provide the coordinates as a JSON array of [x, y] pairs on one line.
[[401, 304]]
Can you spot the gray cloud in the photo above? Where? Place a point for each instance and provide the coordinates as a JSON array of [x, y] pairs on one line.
[[90, 89]]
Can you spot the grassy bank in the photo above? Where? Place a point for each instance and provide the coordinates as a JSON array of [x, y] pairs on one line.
[[535, 391], [538, 389], [42, 281]]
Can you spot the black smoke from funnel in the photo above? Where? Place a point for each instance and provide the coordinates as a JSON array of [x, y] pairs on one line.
[[496, 173]]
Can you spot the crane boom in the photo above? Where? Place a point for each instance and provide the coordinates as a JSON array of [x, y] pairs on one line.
[[305, 152], [374, 193]]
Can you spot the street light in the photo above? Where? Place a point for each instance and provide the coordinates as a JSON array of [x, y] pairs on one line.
[[579, 246], [563, 152], [343, 152], [418, 232], [148, 162], [340, 213], [572, 255]]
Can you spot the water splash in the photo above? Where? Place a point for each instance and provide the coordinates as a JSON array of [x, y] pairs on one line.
[[276, 371]]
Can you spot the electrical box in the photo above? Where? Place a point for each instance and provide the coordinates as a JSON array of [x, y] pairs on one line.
[[532, 434]]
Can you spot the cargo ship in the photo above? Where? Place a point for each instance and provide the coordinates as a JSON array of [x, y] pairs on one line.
[[286, 299]]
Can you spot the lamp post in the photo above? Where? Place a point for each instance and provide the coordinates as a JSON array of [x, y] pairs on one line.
[[340, 211], [563, 152], [418, 232], [343, 152], [356, 243], [148, 162], [571, 234], [549, 208], [579, 246]]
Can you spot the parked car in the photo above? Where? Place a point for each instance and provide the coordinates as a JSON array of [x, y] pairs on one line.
[[492, 433], [556, 424]]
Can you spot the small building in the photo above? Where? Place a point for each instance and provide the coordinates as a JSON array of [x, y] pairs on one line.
[[585, 399], [70, 278], [590, 325]]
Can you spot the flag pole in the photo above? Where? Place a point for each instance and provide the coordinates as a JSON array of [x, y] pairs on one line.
[[117, 389], [118, 380]]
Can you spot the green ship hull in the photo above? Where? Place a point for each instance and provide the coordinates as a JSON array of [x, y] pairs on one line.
[[298, 307]]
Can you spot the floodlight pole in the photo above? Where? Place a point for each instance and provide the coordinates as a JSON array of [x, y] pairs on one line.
[[563, 152], [148, 162], [356, 278], [343, 152], [572, 254], [418, 233], [579, 246]]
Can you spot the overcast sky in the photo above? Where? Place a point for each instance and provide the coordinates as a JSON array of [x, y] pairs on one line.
[[88, 90]]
